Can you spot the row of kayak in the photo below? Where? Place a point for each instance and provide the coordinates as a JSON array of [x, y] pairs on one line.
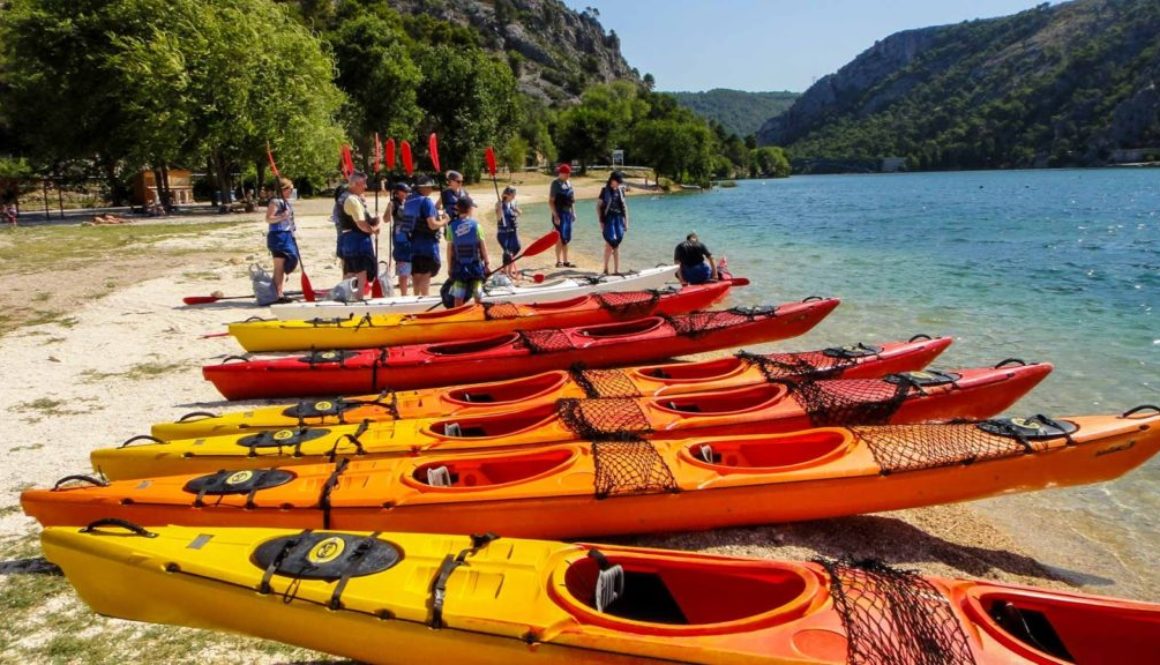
[[320, 522]]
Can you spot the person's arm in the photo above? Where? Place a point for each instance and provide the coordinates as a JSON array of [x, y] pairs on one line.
[[624, 199], [600, 209], [272, 216], [354, 207], [712, 265], [499, 214], [450, 255], [483, 249], [435, 221]]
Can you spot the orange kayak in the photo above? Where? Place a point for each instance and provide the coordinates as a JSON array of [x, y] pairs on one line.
[[853, 362], [769, 407], [556, 491], [414, 598], [520, 353], [472, 321]]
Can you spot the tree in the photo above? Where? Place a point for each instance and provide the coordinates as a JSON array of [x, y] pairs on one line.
[[770, 161], [515, 154]]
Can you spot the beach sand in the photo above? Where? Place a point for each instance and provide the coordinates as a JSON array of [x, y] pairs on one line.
[[122, 353]]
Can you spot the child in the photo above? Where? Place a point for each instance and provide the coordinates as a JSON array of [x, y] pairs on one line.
[[612, 211], [280, 238], [466, 254], [507, 215]]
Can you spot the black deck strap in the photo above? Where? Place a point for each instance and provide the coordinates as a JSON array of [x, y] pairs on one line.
[[364, 546], [920, 336], [1010, 361], [136, 529], [439, 585], [365, 320], [140, 437], [392, 406], [287, 547], [353, 438], [199, 500], [258, 478], [80, 478], [601, 560], [328, 487], [197, 414], [1143, 407]]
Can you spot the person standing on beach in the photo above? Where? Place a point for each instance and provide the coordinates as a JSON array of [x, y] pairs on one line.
[[467, 261], [612, 213], [507, 215], [400, 191], [691, 255], [562, 202], [358, 228], [449, 197], [340, 194], [280, 238], [424, 224]]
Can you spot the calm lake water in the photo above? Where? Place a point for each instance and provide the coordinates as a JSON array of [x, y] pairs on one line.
[[1041, 265]]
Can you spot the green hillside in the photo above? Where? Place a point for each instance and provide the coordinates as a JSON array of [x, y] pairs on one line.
[[740, 112]]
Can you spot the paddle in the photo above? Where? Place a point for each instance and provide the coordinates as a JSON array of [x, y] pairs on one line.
[[377, 286], [408, 163], [207, 300], [433, 148], [391, 238], [347, 161], [538, 247], [304, 279], [489, 157]]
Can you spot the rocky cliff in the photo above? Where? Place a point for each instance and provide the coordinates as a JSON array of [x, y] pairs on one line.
[[554, 51]]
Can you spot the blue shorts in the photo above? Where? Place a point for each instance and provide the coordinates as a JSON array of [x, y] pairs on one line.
[[510, 242], [402, 268], [613, 230], [565, 226], [401, 248], [698, 274], [282, 246], [355, 243]]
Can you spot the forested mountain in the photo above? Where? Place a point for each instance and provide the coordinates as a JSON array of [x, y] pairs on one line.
[[741, 113], [1055, 85], [554, 52]]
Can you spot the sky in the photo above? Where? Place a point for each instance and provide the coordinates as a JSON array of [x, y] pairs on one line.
[[759, 45]]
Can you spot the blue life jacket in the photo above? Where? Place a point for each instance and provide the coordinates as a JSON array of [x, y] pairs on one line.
[[508, 221], [286, 225], [450, 203], [345, 221], [464, 233]]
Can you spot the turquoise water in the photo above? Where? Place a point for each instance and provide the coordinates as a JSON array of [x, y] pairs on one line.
[[1042, 265]]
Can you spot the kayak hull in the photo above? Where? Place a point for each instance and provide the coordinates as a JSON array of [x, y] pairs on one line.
[[428, 366], [452, 598], [668, 379]]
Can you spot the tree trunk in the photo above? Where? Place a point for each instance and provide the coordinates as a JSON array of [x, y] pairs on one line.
[[167, 193], [223, 181]]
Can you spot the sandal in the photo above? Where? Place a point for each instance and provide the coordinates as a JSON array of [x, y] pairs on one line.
[[284, 299], [569, 264], [560, 264]]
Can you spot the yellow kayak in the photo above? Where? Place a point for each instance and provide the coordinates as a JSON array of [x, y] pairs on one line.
[[415, 598]]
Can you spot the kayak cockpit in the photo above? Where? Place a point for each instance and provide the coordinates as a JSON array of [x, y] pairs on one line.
[[508, 391], [700, 371], [725, 401], [762, 453], [474, 346], [627, 329], [441, 313], [489, 472], [657, 594], [557, 305], [504, 424], [1046, 627]]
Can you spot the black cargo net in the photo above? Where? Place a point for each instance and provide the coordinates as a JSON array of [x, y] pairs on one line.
[[915, 447], [798, 366], [630, 467], [628, 304], [894, 616], [850, 401], [493, 311], [603, 382], [608, 419], [545, 341], [696, 324]]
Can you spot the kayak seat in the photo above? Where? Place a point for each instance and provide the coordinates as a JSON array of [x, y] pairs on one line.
[[1030, 627], [636, 596]]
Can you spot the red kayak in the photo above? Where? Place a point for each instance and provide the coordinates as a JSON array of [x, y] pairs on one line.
[[514, 354]]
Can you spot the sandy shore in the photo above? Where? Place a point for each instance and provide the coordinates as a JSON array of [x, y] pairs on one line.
[[128, 355]]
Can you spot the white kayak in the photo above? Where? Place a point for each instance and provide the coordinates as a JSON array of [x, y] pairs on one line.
[[552, 290]]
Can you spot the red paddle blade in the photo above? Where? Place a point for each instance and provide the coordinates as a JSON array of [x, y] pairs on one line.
[[489, 155], [391, 154], [307, 289], [378, 153], [347, 161], [543, 244], [198, 300], [433, 148], [408, 163], [273, 164]]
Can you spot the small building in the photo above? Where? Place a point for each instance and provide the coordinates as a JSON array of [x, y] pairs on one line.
[[180, 185]]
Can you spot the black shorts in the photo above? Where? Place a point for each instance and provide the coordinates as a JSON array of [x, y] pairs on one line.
[[424, 265], [361, 263]]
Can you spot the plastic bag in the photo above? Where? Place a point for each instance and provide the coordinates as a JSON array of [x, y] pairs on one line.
[[263, 283]]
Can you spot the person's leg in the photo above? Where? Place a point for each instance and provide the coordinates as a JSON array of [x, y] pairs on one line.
[[403, 272], [616, 259], [607, 254], [422, 282], [477, 291], [280, 276], [459, 292]]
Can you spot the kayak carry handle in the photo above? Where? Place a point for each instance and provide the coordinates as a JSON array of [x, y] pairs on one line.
[[253, 319], [197, 414], [812, 298], [96, 482], [136, 529], [141, 437], [229, 358], [920, 336], [1004, 363], [1143, 407]]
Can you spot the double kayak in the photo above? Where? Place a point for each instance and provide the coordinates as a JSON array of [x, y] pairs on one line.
[[769, 407], [404, 598], [560, 288], [853, 361], [616, 488], [512, 355], [472, 321]]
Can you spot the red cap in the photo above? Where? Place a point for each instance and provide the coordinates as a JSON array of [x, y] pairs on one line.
[[563, 168]]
